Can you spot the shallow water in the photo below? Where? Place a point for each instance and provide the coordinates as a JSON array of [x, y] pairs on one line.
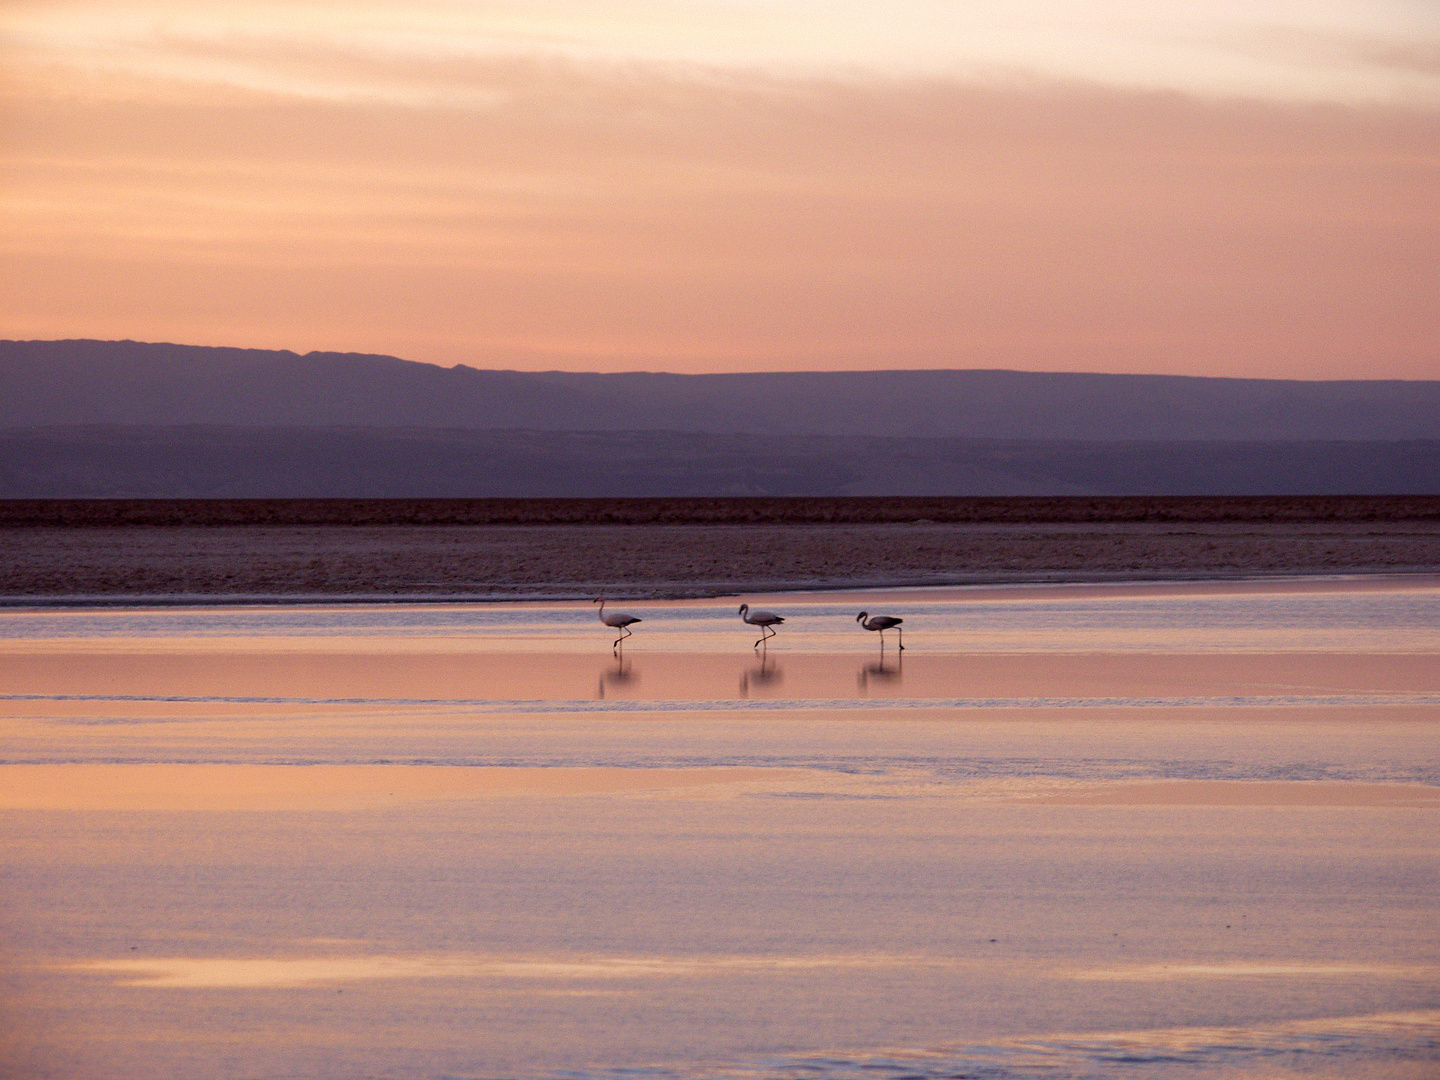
[[1150, 831]]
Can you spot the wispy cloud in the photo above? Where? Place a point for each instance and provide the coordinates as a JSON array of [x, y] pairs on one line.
[[327, 177], [205, 973], [320, 48]]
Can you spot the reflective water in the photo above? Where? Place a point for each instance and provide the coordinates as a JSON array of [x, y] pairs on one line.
[[1142, 831], [1357, 614]]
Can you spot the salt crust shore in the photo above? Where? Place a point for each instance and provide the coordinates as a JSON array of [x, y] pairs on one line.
[[319, 563], [723, 510]]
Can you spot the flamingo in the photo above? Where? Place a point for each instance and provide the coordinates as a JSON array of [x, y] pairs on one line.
[[616, 620], [882, 623], [766, 620]]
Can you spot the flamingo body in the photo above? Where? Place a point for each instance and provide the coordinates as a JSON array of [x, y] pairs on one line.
[[617, 620], [766, 620], [881, 623]]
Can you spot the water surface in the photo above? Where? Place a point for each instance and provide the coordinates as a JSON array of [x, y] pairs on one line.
[[1150, 831]]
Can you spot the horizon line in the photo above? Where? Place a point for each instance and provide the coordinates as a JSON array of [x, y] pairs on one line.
[[702, 374]]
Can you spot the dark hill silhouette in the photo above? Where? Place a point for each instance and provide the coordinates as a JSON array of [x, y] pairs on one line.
[[1023, 405], [129, 382], [47, 383], [309, 462]]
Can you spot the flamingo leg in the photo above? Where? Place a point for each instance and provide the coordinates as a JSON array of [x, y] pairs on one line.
[[901, 632]]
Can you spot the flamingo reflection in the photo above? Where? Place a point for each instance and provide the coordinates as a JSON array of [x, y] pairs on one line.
[[620, 676], [892, 673], [763, 674]]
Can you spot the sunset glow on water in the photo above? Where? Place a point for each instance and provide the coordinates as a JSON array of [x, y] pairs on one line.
[[1144, 831], [348, 350]]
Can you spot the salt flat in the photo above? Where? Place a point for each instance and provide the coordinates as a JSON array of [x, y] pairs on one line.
[[214, 563], [1161, 830]]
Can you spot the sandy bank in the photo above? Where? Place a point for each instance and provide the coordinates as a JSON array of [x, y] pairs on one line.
[[650, 561], [758, 510]]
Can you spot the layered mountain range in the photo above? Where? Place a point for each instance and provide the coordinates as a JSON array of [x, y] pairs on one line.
[[133, 383], [94, 418]]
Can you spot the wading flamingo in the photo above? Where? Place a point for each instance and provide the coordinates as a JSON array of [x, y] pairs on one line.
[[882, 623], [616, 620], [766, 620]]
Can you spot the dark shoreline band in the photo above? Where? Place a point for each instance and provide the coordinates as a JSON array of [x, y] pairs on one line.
[[103, 513]]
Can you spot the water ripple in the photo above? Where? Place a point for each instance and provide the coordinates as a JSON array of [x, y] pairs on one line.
[[532, 705], [1359, 1045]]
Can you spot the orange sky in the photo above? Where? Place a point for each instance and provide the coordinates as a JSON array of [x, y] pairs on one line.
[[734, 185]]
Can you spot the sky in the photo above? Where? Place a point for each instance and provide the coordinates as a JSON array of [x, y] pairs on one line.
[[1206, 187]]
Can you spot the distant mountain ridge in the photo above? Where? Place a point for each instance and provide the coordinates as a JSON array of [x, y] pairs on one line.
[[126, 383], [351, 462]]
